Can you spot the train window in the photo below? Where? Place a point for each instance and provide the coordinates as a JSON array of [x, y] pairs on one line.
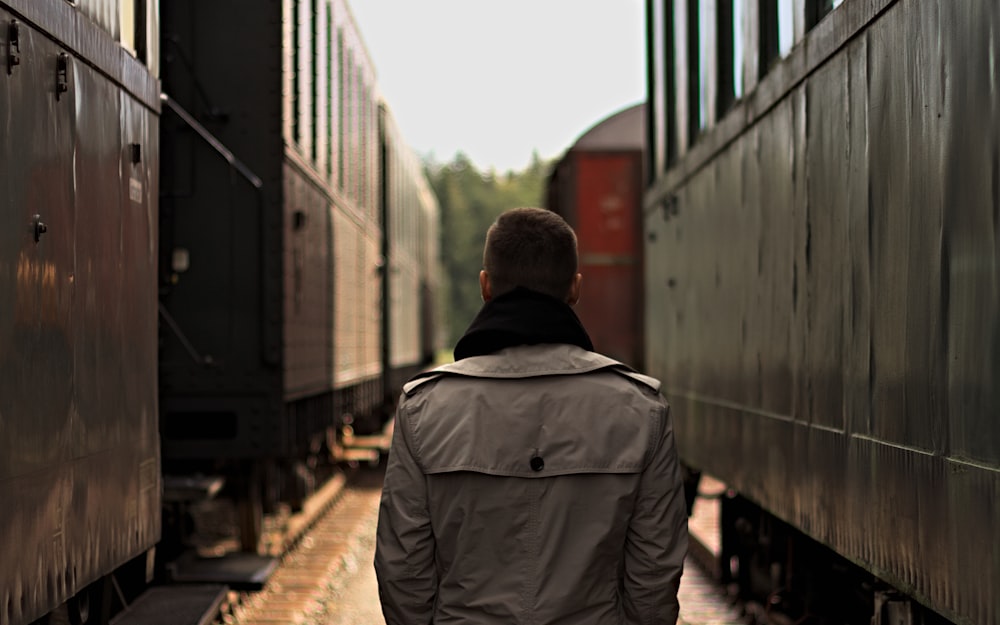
[[148, 42], [362, 147], [768, 35], [786, 29], [350, 117], [366, 150], [777, 31], [126, 17], [315, 82], [706, 16], [357, 127], [726, 45], [341, 88], [331, 49], [132, 27], [296, 74], [736, 31], [816, 10], [693, 71], [667, 55]]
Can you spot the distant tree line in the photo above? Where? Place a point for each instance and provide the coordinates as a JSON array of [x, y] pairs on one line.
[[470, 201]]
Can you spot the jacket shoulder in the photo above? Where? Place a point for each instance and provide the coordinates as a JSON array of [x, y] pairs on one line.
[[531, 361]]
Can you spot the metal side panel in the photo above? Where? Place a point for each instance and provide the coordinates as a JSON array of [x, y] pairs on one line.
[[874, 310], [36, 332], [221, 356], [113, 511], [606, 190], [905, 212], [139, 191], [308, 305], [79, 465], [181, 604]]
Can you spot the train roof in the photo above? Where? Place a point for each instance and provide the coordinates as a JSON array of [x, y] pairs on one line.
[[624, 130]]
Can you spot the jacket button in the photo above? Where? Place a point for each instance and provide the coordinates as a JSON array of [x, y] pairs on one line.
[[537, 464]]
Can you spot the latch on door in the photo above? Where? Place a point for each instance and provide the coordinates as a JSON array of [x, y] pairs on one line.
[[38, 227], [62, 74], [13, 45]]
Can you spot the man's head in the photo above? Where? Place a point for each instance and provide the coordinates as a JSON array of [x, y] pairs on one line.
[[533, 248]]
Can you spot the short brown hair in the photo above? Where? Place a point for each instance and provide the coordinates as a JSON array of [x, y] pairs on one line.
[[533, 248]]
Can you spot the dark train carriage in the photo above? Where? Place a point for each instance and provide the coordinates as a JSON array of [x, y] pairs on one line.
[[79, 448], [597, 187], [823, 297], [291, 280], [410, 215], [271, 280], [428, 257]]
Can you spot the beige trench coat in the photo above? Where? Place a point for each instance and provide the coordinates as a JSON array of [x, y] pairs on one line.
[[539, 486]]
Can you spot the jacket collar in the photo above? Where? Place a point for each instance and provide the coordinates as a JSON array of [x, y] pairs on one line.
[[530, 361], [521, 317]]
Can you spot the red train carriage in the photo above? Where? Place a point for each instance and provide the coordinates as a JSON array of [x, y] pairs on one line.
[[597, 187]]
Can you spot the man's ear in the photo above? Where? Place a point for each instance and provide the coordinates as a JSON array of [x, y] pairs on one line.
[[484, 286], [574, 290]]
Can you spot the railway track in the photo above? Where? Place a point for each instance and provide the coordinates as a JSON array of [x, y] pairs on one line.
[[322, 550], [326, 576]]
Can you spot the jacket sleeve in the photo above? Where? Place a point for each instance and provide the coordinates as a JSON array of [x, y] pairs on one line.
[[656, 541], [404, 543]]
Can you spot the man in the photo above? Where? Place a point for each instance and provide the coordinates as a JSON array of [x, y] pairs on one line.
[[532, 481]]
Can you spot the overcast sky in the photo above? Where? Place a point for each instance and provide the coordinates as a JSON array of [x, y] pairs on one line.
[[499, 79]]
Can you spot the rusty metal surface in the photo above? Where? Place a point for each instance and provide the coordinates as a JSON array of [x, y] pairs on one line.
[[824, 300], [79, 34], [596, 186], [79, 454], [600, 197]]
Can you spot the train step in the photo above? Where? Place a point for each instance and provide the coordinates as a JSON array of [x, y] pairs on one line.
[[175, 605], [368, 448], [239, 571], [189, 488]]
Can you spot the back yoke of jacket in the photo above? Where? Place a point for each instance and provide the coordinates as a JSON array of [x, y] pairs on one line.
[[538, 485]]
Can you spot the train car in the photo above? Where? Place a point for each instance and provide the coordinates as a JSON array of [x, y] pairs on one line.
[[411, 221], [823, 297], [290, 282], [79, 447], [597, 188]]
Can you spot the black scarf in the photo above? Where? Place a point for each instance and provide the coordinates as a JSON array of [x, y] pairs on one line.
[[521, 317]]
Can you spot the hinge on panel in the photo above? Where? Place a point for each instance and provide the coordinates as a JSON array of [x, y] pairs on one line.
[[13, 45], [62, 74], [670, 207]]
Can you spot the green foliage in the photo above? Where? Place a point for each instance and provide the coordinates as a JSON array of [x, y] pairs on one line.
[[470, 200]]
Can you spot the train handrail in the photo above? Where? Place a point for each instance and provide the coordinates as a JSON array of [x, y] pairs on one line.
[[186, 343], [210, 139], [268, 353]]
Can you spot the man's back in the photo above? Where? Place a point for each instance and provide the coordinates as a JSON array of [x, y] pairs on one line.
[[535, 485]]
